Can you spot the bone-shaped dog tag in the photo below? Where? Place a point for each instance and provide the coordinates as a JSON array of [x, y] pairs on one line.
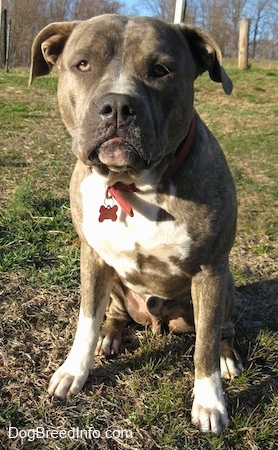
[[108, 211]]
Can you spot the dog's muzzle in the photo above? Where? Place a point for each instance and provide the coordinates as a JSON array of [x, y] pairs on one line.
[[121, 148]]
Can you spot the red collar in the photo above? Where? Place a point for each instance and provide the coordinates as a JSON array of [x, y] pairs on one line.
[[113, 191], [182, 153]]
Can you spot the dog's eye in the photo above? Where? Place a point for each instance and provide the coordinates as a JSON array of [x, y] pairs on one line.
[[84, 66], [159, 71]]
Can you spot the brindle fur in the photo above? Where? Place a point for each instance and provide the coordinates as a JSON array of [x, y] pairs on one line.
[[126, 96]]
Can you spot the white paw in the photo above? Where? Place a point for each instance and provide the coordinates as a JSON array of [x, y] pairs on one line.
[[67, 380], [107, 346], [71, 376], [209, 420], [209, 411], [231, 368]]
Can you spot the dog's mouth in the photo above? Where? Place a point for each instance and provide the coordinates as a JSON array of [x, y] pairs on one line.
[[117, 155]]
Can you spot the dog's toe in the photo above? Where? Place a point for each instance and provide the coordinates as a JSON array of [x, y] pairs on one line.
[[110, 337], [65, 383], [107, 346], [231, 366], [209, 420]]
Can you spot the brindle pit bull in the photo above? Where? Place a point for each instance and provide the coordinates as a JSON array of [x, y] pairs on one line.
[[152, 198]]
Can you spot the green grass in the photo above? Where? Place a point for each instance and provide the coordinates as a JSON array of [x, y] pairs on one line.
[[36, 237], [20, 78], [147, 389]]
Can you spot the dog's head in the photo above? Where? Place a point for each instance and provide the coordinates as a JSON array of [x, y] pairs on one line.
[[125, 88]]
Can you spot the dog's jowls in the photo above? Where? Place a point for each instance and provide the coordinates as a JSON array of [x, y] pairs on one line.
[[155, 241]]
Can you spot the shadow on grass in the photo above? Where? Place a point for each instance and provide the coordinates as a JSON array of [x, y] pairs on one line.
[[256, 320], [172, 351], [257, 307]]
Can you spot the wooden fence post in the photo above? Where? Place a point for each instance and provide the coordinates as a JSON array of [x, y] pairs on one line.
[[180, 11], [243, 44]]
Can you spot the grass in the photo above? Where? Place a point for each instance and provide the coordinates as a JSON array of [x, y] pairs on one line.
[[144, 396]]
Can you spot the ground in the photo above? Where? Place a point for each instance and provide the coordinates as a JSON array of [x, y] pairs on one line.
[[142, 399]]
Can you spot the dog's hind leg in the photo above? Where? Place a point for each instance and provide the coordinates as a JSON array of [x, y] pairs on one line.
[[116, 319]]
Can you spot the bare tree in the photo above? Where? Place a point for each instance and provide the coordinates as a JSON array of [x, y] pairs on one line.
[[83, 9], [219, 17], [213, 16], [164, 9], [25, 16], [29, 16], [192, 12], [262, 12], [57, 10], [235, 12]]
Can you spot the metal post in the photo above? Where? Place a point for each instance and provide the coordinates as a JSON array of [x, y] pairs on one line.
[[0, 15], [1, 32], [8, 46], [5, 26], [180, 11]]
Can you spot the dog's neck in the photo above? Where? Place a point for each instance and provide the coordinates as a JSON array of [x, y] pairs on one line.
[[182, 152]]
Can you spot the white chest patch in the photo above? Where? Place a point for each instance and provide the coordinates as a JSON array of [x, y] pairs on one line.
[[117, 241]]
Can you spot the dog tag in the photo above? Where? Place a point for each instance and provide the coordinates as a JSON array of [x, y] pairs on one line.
[[108, 211]]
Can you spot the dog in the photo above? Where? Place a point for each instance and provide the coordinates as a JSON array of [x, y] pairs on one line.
[[152, 198]]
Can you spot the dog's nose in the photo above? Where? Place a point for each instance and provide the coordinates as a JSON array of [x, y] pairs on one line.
[[117, 109]]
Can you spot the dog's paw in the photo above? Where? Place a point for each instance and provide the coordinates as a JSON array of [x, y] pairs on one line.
[[209, 412], [67, 381], [231, 366], [110, 337], [209, 420], [108, 345]]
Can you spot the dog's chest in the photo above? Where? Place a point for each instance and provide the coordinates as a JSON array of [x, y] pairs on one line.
[[143, 244]]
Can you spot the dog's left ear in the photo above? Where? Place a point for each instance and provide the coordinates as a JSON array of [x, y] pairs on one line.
[[48, 46], [207, 55]]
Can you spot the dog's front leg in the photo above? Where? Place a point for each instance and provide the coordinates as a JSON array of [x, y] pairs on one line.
[[209, 287], [96, 283]]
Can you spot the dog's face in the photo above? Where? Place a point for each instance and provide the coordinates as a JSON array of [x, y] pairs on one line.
[[131, 76], [126, 90]]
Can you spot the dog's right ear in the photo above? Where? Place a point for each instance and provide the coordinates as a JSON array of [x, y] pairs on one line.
[[48, 46]]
